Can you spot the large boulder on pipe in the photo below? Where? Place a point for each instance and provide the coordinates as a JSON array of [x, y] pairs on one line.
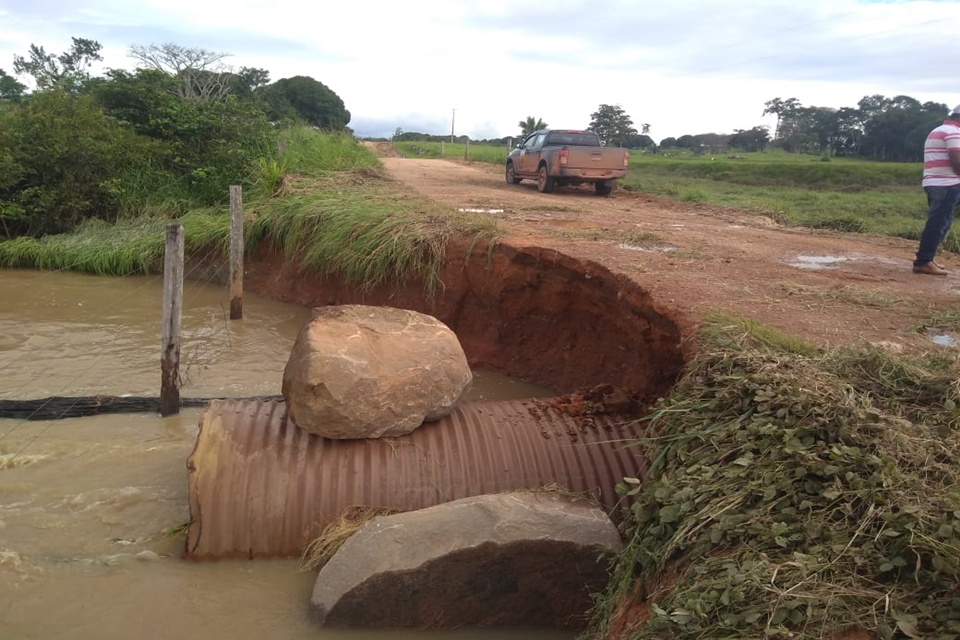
[[367, 372], [507, 559]]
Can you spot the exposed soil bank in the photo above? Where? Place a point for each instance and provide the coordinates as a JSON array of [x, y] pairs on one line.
[[524, 311]]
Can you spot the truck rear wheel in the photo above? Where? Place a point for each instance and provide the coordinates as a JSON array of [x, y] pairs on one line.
[[545, 183], [603, 189], [511, 176]]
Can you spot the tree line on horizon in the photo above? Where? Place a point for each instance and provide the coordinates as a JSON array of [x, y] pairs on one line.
[[173, 133], [878, 128]]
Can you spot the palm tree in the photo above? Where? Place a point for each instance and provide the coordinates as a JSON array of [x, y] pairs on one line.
[[530, 125]]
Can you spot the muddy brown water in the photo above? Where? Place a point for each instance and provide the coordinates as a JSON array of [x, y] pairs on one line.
[[90, 507]]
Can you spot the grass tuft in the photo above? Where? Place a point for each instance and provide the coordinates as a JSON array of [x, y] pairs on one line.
[[321, 549], [364, 231]]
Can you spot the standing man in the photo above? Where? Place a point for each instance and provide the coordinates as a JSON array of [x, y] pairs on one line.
[[941, 181]]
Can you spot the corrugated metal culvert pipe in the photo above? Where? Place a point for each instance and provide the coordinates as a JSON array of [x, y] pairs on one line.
[[259, 486]]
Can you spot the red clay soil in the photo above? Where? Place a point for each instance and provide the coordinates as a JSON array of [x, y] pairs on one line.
[[709, 258], [535, 314], [583, 290]]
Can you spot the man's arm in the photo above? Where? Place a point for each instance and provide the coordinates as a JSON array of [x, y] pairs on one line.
[[954, 160]]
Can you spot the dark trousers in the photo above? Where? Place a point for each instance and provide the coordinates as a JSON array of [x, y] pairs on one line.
[[941, 202]]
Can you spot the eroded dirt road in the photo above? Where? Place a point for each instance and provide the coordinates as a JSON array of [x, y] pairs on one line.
[[831, 288]]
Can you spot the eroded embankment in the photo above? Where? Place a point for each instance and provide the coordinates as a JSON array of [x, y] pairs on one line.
[[524, 311]]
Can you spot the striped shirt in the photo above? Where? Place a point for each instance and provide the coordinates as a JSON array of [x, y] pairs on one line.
[[937, 170]]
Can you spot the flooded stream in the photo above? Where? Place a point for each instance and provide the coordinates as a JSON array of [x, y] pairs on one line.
[[91, 509]]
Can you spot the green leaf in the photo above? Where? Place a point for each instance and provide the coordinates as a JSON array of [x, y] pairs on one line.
[[907, 624], [670, 513]]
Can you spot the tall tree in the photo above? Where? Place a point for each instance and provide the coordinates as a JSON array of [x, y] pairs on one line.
[[201, 73], [849, 132], [809, 130], [145, 98], [755, 139], [669, 143], [303, 98], [10, 89], [68, 70], [612, 123], [530, 125], [246, 81], [895, 128], [780, 108], [638, 141]]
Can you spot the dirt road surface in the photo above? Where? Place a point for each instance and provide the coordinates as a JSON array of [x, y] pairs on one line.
[[828, 287]]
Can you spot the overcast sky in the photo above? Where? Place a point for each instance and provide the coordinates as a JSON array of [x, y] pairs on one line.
[[682, 66]]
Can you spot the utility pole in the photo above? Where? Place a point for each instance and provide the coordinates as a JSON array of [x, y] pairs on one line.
[[453, 121]]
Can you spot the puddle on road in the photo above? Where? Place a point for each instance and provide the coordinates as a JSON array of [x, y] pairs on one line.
[[816, 262], [943, 339], [811, 262], [477, 210], [664, 248]]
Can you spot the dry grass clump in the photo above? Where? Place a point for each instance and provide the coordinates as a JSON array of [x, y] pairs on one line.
[[797, 495], [321, 549]]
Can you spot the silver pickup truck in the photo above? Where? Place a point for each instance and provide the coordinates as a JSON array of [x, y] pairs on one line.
[[558, 157]]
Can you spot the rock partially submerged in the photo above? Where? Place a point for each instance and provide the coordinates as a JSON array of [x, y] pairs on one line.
[[370, 372], [509, 559]]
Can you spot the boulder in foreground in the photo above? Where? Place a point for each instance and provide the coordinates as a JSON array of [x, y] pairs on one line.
[[509, 559], [357, 371]]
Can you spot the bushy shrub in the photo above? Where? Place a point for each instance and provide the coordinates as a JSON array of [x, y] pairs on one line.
[[64, 160]]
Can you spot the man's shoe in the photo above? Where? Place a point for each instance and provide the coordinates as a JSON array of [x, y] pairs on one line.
[[930, 269]]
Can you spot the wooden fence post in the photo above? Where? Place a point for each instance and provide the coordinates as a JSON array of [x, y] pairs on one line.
[[466, 150], [236, 252], [170, 322]]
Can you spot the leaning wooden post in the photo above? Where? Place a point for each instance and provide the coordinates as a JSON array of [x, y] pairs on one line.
[[236, 252], [170, 323], [466, 150]]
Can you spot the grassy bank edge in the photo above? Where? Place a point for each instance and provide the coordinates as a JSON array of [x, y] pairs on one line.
[[356, 224]]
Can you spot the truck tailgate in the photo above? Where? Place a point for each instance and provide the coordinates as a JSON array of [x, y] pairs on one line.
[[595, 160]]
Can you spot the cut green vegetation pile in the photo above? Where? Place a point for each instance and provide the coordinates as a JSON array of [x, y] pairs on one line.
[[795, 494]]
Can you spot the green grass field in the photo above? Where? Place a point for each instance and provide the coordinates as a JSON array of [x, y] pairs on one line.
[[793, 189], [475, 152]]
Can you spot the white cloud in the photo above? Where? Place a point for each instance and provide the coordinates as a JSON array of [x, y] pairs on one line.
[[690, 66]]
